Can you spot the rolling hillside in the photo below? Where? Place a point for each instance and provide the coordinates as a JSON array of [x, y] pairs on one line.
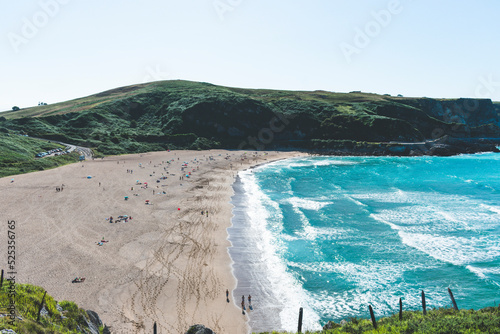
[[182, 114]]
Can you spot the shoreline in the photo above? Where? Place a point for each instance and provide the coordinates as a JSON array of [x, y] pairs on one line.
[[259, 271], [269, 181], [165, 265], [245, 252], [242, 286]]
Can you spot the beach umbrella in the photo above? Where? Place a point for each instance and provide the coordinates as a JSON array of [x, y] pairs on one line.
[[147, 201], [178, 209], [126, 197]]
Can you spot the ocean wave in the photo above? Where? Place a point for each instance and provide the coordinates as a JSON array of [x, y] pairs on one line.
[[377, 232], [450, 249], [321, 163], [495, 209], [266, 224], [436, 219], [455, 250], [307, 204], [485, 273]]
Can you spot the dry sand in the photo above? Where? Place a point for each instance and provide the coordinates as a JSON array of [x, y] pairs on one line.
[[164, 265]]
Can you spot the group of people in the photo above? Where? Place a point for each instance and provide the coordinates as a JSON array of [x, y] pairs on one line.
[[100, 243], [243, 308]]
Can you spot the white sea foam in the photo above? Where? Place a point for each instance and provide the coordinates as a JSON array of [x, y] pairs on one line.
[[484, 273], [266, 233], [336, 163], [378, 283], [495, 209], [454, 250], [431, 228], [397, 196], [320, 233], [346, 304], [321, 163], [307, 204], [451, 249]]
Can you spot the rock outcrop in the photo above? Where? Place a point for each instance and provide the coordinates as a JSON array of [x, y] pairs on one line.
[[199, 329]]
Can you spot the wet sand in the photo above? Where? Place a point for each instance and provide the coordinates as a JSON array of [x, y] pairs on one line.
[[163, 265]]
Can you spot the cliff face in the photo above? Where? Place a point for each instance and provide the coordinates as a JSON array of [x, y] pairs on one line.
[[469, 117], [178, 114]]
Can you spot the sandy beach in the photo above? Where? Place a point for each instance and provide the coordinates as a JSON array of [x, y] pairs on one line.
[[167, 263]]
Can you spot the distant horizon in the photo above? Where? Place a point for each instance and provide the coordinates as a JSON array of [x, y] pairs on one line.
[[52, 53]]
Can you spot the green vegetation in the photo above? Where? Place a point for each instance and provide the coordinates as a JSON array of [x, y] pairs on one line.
[[59, 318], [439, 321], [17, 155], [193, 115]]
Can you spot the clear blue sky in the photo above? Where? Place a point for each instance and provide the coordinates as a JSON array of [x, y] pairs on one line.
[[56, 50]]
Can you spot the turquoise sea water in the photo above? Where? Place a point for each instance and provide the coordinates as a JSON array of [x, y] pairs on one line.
[[335, 234]]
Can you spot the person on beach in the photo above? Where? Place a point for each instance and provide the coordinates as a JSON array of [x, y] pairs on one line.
[[227, 295], [242, 307]]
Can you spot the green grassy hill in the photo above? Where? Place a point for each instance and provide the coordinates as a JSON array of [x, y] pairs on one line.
[[192, 115], [17, 155], [62, 317]]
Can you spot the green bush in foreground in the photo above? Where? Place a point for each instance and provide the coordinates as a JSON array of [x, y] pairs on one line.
[[439, 321], [71, 318]]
